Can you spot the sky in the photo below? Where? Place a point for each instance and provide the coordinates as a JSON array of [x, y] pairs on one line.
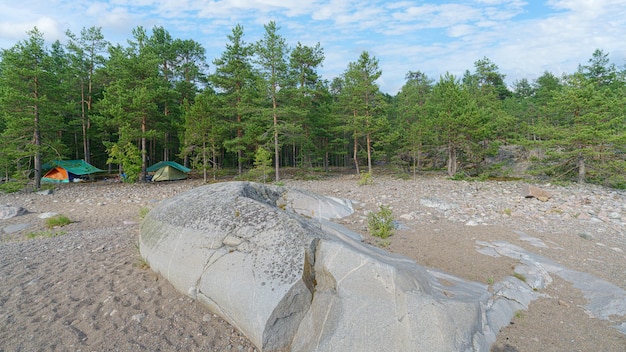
[[524, 38]]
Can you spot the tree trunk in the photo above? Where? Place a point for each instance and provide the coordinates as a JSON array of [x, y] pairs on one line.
[[37, 138], [369, 153], [144, 152], [581, 168], [276, 155], [84, 123], [204, 162], [356, 149], [451, 160]]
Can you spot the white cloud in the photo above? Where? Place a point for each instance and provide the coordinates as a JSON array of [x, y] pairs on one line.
[[427, 35]]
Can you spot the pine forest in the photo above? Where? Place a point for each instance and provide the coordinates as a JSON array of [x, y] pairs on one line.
[[257, 109]]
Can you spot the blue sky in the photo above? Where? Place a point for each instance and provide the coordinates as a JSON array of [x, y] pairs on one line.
[[524, 38]]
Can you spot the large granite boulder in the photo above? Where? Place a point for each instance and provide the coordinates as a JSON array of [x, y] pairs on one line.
[[267, 260]]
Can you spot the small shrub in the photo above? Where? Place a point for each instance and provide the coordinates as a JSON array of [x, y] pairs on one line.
[[366, 179], [143, 212], [57, 221], [12, 186], [384, 243], [380, 223]]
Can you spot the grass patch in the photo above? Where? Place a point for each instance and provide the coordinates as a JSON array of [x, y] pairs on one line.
[[519, 276], [384, 243], [143, 212], [57, 221], [141, 262], [380, 223], [44, 234]]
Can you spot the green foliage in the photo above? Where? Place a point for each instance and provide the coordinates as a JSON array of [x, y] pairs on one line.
[[262, 166], [366, 179], [12, 186], [129, 157], [380, 223], [143, 211], [58, 100], [57, 221]]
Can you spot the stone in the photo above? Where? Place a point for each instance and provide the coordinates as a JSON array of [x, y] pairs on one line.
[[267, 260], [8, 211], [15, 228], [530, 191], [437, 204], [45, 192], [47, 215]]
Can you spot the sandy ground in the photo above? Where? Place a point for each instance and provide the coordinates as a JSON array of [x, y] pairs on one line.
[[87, 289]]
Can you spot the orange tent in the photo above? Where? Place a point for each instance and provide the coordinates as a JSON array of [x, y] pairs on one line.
[[57, 174], [67, 170]]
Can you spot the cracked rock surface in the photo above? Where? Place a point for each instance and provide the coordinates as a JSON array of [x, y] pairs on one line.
[[292, 281]]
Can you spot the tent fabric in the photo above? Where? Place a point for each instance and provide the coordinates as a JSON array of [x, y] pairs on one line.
[[67, 170], [57, 174], [173, 164], [168, 171], [77, 167]]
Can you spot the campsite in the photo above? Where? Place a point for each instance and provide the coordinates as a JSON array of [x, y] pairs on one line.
[[64, 171]]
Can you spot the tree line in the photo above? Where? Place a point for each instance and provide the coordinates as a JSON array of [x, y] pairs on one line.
[[125, 107]]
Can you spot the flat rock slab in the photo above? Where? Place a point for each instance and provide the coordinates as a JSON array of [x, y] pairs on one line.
[[8, 211], [267, 260], [15, 228]]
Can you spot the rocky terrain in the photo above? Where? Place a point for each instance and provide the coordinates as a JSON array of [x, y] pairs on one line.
[[87, 288]]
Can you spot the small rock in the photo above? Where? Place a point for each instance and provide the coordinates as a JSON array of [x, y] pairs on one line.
[[471, 223], [563, 303], [138, 317], [614, 215], [45, 192], [15, 228], [7, 211], [618, 250], [536, 192], [47, 215], [406, 217], [586, 236]]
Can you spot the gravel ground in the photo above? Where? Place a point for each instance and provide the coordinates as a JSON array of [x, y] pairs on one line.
[[88, 290]]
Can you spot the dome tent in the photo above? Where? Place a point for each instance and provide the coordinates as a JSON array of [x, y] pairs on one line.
[[64, 171], [168, 171]]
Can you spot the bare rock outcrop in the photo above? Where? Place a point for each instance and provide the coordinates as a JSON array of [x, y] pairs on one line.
[[266, 259]]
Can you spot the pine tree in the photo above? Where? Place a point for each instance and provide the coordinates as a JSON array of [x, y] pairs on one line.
[[25, 82], [271, 53]]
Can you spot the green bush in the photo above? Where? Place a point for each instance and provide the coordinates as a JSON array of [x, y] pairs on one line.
[[12, 186], [380, 223], [366, 179]]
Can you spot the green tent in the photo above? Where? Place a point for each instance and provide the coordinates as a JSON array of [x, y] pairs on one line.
[[168, 171], [63, 171]]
